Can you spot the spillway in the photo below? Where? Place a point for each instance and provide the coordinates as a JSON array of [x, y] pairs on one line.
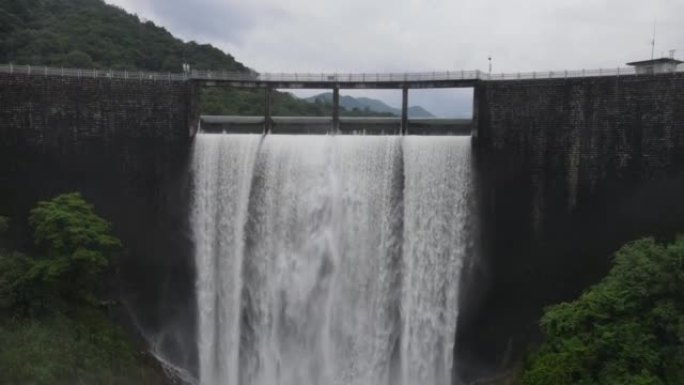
[[328, 259]]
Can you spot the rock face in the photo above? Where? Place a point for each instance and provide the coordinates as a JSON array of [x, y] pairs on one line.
[[125, 146], [568, 170]]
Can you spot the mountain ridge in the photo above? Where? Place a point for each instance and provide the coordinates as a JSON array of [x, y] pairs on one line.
[[373, 105], [92, 34]]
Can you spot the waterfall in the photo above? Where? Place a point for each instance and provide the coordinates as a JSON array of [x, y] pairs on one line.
[[328, 259]]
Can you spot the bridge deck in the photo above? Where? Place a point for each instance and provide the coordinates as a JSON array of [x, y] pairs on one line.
[[465, 83], [448, 79], [321, 80]]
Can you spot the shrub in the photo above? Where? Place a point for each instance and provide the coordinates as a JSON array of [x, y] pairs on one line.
[[628, 329], [77, 245]]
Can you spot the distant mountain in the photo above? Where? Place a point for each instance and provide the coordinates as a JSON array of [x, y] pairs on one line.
[[351, 103]]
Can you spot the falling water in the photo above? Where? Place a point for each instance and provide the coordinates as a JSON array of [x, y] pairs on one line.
[[328, 259]]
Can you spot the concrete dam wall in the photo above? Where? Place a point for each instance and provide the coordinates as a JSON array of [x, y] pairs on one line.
[[566, 170], [569, 169], [124, 144]]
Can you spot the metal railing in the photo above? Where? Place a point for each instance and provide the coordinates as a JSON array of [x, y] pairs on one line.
[[338, 77], [308, 77], [618, 71], [89, 73]]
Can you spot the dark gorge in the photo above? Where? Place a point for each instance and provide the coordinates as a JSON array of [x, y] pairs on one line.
[[561, 172]]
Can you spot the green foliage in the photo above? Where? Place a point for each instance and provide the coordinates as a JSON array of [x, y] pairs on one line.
[[80, 348], [49, 32], [48, 334], [92, 34], [227, 101], [77, 245], [628, 329], [78, 59], [14, 268]]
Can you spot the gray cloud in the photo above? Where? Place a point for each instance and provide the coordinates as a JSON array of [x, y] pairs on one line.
[[381, 35], [423, 35]]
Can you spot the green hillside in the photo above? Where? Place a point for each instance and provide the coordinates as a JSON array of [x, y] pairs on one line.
[[90, 33], [368, 104], [93, 34]]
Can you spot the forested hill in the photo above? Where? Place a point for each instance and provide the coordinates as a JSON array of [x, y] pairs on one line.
[[92, 34]]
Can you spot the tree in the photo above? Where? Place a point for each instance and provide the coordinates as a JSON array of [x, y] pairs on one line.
[[78, 59], [13, 268], [14, 293], [628, 329], [77, 245], [69, 341]]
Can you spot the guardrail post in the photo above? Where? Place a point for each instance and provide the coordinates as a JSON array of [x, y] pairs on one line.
[[566, 74], [336, 109], [618, 71], [28, 69], [268, 121], [404, 110]]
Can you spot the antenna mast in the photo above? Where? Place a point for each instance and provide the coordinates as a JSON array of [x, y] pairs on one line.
[[653, 40]]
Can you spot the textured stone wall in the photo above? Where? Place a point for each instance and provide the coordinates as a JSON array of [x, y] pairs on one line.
[[46, 111], [568, 170], [125, 146]]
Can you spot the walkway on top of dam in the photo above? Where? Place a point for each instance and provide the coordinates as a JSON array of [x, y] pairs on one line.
[[447, 79], [408, 80]]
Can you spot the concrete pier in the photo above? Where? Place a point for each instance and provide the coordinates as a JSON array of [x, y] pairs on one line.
[[336, 110], [404, 110], [268, 120]]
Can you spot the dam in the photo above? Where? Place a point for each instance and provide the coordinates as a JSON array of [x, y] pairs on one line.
[[461, 240]]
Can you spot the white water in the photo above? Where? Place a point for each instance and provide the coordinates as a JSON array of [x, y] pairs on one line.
[[328, 259]]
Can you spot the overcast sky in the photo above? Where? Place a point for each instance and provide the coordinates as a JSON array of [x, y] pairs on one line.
[[423, 35]]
